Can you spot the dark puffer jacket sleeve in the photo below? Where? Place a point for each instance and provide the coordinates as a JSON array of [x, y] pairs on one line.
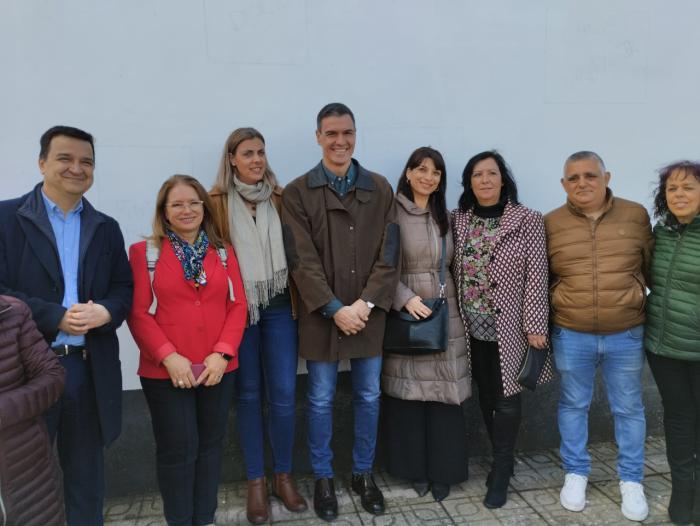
[[44, 375]]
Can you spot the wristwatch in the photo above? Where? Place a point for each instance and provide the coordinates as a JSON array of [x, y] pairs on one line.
[[370, 305], [226, 357]]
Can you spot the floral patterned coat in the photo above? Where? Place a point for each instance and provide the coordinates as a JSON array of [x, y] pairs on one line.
[[518, 278]]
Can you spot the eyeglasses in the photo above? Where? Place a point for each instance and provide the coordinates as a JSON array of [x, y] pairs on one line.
[[195, 206]]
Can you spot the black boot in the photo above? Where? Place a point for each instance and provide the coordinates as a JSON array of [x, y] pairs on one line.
[[506, 423], [680, 508], [497, 494]]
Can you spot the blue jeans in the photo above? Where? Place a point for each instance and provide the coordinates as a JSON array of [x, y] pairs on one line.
[[267, 368], [189, 426], [323, 377], [75, 424], [621, 358]]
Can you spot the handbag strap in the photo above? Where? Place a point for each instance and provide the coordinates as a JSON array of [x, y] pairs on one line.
[[442, 266]]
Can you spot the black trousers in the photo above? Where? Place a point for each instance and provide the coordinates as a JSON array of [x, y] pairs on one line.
[[425, 440], [501, 414], [679, 386], [189, 426]]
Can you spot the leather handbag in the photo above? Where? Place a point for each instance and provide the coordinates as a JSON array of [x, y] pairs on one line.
[[406, 335], [531, 368]]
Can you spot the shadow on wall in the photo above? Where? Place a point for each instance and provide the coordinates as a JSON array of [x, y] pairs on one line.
[[130, 462]]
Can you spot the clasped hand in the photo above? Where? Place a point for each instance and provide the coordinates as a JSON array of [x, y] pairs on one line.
[[82, 317], [351, 319]]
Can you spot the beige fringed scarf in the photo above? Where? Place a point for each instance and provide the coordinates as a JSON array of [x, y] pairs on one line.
[[258, 243]]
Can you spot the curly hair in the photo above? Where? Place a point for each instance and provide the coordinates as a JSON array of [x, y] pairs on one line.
[[686, 167]]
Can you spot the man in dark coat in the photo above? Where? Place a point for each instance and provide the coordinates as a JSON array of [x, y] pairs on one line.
[[342, 244], [67, 261]]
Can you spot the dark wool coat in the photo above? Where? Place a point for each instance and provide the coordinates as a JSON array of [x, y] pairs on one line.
[[347, 248], [31, 380], [518, 276], [30, 269]]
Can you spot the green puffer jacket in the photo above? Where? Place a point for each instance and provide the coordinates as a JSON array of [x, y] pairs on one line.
[[673, 307]]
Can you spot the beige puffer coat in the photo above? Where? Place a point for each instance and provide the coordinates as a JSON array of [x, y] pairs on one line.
[[443, 377]]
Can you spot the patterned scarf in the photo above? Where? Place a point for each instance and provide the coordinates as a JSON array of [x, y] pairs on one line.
[[191, 257]]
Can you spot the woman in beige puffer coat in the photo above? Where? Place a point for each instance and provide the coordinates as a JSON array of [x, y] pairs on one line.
[[424, 424]]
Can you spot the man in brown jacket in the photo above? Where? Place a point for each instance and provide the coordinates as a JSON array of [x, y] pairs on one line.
[[599, 249], [342, 244]]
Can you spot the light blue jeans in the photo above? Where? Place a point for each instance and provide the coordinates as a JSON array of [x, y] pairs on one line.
[[323, 377], [621, 358]]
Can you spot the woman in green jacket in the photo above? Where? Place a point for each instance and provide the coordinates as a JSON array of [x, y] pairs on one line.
[[672, 336]]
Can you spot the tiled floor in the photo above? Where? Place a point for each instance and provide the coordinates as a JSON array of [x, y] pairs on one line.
[[533, 498]]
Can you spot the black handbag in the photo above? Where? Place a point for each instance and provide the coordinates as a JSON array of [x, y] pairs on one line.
[[406, 335], [531, 368]]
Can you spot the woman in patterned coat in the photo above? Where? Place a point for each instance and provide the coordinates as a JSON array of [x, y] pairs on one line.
[[500, 270]]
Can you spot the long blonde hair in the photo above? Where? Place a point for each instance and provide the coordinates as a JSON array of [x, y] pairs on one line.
[[224, 177], [160, 222]]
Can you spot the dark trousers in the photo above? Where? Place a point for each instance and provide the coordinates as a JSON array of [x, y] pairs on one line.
[[74, 423], [425, 440], [501, 413], [189, 426], [679, 386]]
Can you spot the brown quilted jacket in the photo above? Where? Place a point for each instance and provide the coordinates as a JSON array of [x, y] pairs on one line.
[[598, 268], [31, 380]]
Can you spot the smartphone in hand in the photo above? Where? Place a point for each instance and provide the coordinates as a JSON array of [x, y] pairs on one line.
[[197, 369]]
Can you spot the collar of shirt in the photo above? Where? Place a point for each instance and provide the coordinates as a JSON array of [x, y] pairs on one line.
[[52, 209], [341, 185]]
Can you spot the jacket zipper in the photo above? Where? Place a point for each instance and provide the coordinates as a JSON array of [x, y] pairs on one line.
[[594, 225], [664, 306], [3, 512]]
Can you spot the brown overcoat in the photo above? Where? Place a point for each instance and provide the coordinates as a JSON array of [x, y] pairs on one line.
[[31, 380], [346, 248], [442, 377], [517, 274]]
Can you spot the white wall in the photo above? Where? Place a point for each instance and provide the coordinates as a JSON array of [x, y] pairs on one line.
[[161, 83]]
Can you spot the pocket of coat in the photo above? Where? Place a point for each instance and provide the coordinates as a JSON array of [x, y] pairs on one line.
[[642, 290]]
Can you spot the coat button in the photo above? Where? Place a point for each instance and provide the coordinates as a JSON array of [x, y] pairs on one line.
[[352, 227], [497, 310], [198, 303], [352, 271]]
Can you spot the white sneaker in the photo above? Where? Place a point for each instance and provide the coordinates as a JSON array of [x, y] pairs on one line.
[[573, 494], [634, 504]]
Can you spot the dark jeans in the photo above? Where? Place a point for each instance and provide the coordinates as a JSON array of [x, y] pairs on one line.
[[679, 386], [425, 440], [189, 426], [501, 413], [267, 368], [74, 423]]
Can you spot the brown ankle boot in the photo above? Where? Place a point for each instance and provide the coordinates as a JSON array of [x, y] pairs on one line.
[[256, 505], [283, 488]]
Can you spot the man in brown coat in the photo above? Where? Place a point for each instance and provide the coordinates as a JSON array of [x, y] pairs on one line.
[[599, 248], [342, 244]]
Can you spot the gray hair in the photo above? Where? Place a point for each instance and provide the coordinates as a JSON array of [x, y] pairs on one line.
[[584, 155]]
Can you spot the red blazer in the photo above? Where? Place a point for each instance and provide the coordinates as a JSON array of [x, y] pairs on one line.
[[192, 321]]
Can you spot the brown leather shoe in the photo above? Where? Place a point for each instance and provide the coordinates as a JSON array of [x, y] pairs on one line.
[[256, 505], [283, 488]]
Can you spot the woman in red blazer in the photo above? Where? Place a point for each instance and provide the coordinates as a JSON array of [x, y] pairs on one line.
[[188, 346]]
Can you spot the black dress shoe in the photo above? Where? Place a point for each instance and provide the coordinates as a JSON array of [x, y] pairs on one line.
[[325, 502], [421, 487], [371, 498], [440, 491]]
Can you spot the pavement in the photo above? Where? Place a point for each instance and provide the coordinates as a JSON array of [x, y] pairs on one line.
[[533, 498]]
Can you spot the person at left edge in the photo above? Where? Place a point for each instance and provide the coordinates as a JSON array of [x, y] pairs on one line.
[[66, 260], [189, 346]]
